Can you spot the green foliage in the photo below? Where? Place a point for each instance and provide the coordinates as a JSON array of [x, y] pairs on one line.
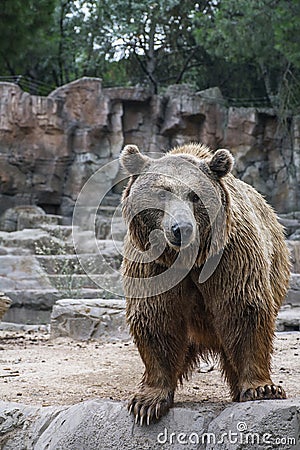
[[152, 42], [249, 48], [22, 27], [286, 30], [262, 34]]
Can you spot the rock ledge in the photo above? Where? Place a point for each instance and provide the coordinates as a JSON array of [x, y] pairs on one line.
[[105, 424]]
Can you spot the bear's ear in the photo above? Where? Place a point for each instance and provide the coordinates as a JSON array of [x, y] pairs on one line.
[[132, 160], [221, 162]]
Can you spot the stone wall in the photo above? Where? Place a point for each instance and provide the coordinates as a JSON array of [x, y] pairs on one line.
[[49, 146]]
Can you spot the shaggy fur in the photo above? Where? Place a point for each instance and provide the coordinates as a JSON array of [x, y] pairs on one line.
[[232, 314]]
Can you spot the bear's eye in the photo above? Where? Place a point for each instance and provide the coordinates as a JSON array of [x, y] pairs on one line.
[[195, 198], [162, 195]]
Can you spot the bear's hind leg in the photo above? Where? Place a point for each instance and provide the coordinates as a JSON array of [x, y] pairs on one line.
[[191, 360], [230, 375], [246, 358]]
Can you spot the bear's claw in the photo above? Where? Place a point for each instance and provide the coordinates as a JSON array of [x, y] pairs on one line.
[[266, 392], [147, 410]]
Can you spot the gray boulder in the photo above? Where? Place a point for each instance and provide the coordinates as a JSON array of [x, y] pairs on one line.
[[83, 319], [104, 425]]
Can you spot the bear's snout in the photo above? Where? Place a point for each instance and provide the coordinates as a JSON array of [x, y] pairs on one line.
[[181, 233], [179, 225]]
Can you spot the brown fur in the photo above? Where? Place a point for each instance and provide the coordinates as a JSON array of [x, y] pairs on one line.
[[231, 315]]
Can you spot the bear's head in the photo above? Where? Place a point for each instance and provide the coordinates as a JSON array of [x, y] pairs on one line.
[[180, 194]]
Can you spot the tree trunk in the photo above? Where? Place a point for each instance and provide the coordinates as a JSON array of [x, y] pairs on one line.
[[151, 59]]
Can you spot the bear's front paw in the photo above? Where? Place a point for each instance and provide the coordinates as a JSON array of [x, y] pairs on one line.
[[149, 404], [267, 392]]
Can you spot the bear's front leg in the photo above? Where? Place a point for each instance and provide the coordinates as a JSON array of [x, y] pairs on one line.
[[150, 403], [159, 331]]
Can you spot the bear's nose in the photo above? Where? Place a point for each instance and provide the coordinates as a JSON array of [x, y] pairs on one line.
[[182, 232]]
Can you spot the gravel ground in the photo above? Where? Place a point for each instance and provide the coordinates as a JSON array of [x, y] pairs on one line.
[[37, 370]]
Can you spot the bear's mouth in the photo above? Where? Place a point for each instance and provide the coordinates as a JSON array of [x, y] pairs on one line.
[[177, 244]]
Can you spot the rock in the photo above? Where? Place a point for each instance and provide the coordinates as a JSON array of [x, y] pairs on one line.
[[36, 240], [9, 220], [19, 327], [293, 295], [288, 319], [104, 424], [60, 143], [58, 231], [50, 146], [294, 247], [110, 228], [291, 225], [5, 303], [40, 266], [94, 263], [21, 272], [296, 235], [26, 220], [83, 319], [259, 425], [31, 306], [35, 306]]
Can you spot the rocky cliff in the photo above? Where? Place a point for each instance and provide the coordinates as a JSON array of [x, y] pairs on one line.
[[49, 146]]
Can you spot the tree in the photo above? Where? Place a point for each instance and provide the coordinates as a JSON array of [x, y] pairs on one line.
[[286, 30], [249, 48], [22, 25], [253, 33], [156, 38], [126, 42]]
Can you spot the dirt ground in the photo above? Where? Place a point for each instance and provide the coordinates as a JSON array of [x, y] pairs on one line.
[[39, 371]]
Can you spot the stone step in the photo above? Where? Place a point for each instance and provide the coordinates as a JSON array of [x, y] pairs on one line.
[[27, 315], [72, 281], [21, 272], [86, 242], [59, 231], [5, 303], [11, 251], [110, 228], [79, 264], [294, 247], [84, 319], [46, 298], [36, 299], [288, 319], [35, 306], [111, 200], [290, 225], [35, 240], [108, 281], [293, 295], [109, 210], [19, 327], [32, 306], [27, 221]]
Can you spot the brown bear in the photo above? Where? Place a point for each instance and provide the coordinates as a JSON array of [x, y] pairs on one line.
[[205, 272]]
